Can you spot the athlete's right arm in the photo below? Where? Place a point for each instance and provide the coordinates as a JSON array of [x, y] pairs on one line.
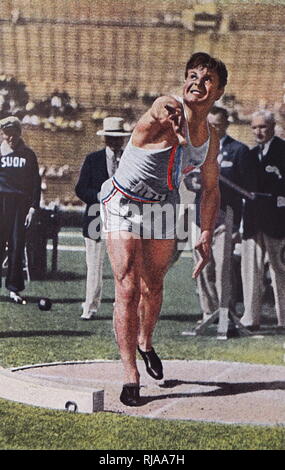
[[162, 122], [169, 112]]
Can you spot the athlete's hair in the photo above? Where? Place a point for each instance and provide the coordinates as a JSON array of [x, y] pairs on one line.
[[201, 59]]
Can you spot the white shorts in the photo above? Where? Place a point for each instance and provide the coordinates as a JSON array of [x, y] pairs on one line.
[[147, 220]]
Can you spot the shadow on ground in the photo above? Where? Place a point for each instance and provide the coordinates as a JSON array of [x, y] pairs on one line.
[[224, 389]]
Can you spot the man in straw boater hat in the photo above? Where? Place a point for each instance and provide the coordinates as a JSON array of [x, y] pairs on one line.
[[97, 168], [170, 140], [20, 190]]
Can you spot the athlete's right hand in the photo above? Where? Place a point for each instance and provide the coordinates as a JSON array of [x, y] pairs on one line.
[[177, 118]]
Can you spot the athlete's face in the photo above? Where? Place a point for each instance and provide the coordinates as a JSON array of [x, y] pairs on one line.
[[11, 136], [262, 130], [202, 86]]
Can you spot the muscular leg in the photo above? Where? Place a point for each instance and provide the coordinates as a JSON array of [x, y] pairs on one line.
[[157, 256], [125, 253], [139, 267]]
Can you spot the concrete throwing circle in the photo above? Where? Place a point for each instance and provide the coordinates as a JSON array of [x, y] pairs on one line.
[[212, 391]]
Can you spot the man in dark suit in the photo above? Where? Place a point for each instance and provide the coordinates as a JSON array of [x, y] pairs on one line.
[[96, 169], [264, 220], [211, 280]]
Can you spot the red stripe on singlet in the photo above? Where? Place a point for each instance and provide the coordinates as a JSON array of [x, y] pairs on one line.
[[170, 168]]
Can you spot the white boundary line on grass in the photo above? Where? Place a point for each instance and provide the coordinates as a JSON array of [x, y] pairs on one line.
[[94, 361], [67, 248], [60, 363], [185, 254]]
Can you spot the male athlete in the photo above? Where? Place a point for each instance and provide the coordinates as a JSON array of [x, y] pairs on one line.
[[171, 139]]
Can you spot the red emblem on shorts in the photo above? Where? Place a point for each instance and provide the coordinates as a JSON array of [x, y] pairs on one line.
[[188, 169]]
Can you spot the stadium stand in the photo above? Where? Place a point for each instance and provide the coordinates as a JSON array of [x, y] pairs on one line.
[[99, 52]]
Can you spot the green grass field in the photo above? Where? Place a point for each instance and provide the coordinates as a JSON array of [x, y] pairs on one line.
[[30, 336]]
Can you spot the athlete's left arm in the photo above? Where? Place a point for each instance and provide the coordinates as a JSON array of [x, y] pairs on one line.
[[210, 203]]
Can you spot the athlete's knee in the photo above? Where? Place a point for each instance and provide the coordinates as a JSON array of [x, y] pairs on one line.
[[127, 290], [151, 288]]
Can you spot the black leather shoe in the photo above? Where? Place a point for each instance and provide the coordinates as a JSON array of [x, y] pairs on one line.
[[130, 395], [153, 363]]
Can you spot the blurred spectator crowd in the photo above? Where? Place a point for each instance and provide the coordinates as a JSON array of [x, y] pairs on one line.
[[57, 112], [60, 111]]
